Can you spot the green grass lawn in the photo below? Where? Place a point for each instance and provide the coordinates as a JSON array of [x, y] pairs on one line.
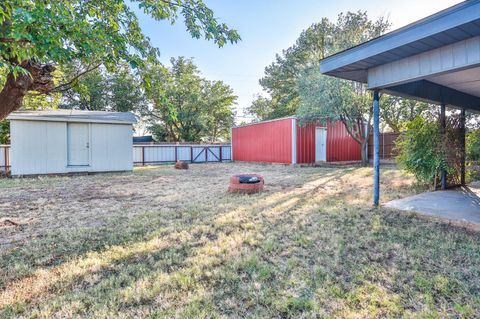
[[161, 243]]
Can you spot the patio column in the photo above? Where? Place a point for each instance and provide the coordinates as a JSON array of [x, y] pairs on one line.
[[376, 148], [462, 137], [443, 126]]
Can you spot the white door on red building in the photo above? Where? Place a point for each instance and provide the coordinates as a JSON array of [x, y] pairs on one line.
[[320, 144]]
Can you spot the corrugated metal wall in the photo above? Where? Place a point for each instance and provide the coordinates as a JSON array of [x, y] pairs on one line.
[[340, 146], [269, 142], [306, 143]]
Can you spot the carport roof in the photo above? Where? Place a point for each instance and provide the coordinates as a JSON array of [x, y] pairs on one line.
[[446, 29], [75, 116]]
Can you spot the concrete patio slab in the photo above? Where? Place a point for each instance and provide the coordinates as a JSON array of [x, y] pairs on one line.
[[461, 204]]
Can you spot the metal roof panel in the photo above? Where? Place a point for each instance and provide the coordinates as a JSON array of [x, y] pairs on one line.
[[75, 116]]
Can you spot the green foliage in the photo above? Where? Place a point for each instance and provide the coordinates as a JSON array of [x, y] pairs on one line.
[[5, 132], [103, 31], [100, 90], [261, 108], [329, 99], [190, 108], [322, 39], [159, 132], [473, 145], [421, 151], [397, 111]]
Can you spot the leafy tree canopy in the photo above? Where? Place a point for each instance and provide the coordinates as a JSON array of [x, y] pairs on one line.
[[100, 90], [318, 41], [396, 112], [37, 35], [187, 107]]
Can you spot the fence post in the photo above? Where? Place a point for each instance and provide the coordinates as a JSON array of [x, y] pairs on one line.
[[206, 155], [143, 155], [191, 153], [383, 146], [221, 157], [176, 156], [376, 148]]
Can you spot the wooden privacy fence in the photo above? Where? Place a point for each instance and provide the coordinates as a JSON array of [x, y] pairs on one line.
[[168, 153], [4, 159], [387, 145]]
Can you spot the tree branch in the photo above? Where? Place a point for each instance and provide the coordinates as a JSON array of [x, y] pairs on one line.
[[66, 86], [10, 40]]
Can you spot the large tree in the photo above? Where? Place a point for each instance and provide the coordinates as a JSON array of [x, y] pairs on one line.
[[187, 107], [100, 90], [328, 99], [38, 35], [397, 111], [322, 39]]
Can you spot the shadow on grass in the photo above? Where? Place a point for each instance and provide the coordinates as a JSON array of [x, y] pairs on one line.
[[47, 280], [286, 254]]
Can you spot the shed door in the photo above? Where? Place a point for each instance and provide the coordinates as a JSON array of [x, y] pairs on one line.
[[78, 144], [320, 144]]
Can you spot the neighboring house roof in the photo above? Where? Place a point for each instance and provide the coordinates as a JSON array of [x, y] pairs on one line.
[[454, 24], [143, 139], [75, 116]]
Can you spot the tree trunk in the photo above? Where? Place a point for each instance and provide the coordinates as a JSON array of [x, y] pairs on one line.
[[39, 78], [364, 152]]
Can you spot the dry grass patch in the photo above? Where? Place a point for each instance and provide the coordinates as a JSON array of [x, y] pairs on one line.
[[163, 243]]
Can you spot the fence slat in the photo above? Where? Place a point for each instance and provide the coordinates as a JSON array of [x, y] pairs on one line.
[[387, 145], [153, 154], [170, 153], [4, 159]]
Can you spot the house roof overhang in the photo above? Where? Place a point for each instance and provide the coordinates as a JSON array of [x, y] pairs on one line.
[[436, 59]]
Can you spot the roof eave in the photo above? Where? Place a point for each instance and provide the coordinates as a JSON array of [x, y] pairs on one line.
[[69, 120], [447, 19]]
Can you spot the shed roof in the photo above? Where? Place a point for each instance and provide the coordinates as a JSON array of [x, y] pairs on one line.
[[75, 116], [451, 25]]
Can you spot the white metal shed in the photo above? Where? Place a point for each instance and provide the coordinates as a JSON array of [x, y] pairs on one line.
[[68, 141]]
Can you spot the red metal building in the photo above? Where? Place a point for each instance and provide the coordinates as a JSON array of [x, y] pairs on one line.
[[286, 141]]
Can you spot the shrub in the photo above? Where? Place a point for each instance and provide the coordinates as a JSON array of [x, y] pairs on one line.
[[473, 145], [421, 152], [472, 150], [5, 132]]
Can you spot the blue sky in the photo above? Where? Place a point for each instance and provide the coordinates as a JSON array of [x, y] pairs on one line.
[[267, 27]]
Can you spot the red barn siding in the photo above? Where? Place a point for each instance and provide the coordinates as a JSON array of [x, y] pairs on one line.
[[269, 142], [306, 143], [340, 146]]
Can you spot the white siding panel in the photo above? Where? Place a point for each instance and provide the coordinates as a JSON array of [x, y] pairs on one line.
[[100, 146], [28, 150], [56, 145], [111, 147], [121, 150], [40, 147], [473, 51], [446, 59]]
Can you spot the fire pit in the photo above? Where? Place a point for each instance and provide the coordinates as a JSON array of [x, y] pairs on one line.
[[246, 184]]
